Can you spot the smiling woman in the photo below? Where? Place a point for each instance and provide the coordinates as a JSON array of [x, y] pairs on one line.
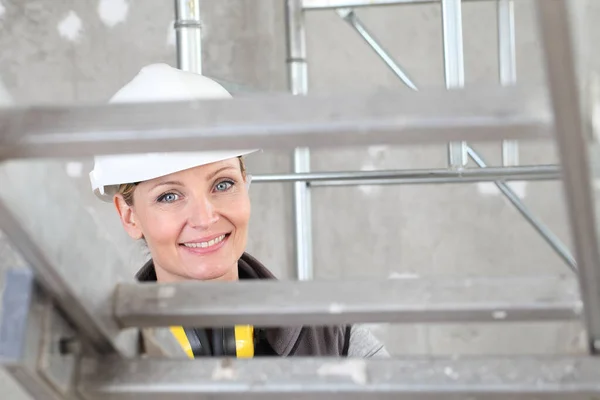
[[193, 210], [195, 221]]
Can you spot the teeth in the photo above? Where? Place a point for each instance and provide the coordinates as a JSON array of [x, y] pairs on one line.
[[206, 244]]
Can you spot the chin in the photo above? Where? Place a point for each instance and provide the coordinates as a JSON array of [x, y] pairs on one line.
[[212, 272]]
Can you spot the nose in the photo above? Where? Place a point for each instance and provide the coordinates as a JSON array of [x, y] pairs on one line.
[[202, 213]]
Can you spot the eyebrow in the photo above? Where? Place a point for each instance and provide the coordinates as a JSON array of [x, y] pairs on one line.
[[213, 174], [178, 183], [166, 183]]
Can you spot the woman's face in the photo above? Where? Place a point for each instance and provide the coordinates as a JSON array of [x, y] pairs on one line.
[[194, 221]]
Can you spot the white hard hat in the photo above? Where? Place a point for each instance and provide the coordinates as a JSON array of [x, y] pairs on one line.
[[157, 83]]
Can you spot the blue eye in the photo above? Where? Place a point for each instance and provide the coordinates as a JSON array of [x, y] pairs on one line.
[[223, 186], [168, 198]]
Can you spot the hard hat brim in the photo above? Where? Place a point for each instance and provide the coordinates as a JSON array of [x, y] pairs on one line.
[[111, 171]]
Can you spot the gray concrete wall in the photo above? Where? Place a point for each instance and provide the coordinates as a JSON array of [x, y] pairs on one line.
[[71, 51]]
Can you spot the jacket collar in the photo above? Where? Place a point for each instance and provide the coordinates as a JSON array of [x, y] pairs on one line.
[[282, 340]]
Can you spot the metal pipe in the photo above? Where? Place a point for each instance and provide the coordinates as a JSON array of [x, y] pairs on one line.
[[416, 181], [348, 178], [546, 233], [298, 84], [316, 5], [507, 60], [573, 121], [454, 67], [351, 18], [188, 29]]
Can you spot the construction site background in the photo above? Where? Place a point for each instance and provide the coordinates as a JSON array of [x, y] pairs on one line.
[[71, 51]]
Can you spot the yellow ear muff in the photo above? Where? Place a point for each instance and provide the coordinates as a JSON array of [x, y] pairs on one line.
[[181, 337], [244, 341]]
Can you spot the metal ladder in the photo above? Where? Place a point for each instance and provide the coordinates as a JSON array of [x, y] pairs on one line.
[[66, 333]]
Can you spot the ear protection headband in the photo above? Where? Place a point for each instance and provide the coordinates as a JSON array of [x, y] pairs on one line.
[[220, 343], [235, 341]]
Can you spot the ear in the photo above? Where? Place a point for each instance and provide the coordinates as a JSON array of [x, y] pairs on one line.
[[127, 216]]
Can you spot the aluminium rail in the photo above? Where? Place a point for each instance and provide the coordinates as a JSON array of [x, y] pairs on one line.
[[279, 121], [329, 4], [573, 124]]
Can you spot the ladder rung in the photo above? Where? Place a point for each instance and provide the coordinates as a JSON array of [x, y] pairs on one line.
[[276, 121], [288, 303], [541, 377]]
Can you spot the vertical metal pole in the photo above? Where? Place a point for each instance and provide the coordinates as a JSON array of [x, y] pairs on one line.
[[572, 123], [454, 67], [298, 83], [508, 68], [188, 29]]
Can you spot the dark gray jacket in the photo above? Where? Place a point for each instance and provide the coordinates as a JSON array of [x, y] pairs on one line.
[[336, 340]]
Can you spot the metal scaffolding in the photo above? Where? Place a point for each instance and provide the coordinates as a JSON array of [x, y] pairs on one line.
[[458, 152], [66, 333]]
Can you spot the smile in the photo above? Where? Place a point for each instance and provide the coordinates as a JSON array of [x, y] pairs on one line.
[[205, 245]]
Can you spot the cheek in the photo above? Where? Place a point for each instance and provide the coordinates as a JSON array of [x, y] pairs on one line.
[[241, 213], [236, 210], [160, 228]]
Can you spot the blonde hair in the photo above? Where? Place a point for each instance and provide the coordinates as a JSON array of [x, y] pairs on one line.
[[127, 189]]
